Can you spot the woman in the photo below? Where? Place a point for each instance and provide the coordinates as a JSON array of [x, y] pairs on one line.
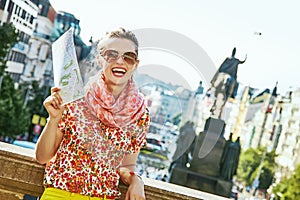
[[90, 143]]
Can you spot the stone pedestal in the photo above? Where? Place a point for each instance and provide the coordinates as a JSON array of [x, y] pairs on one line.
[[199, 181], [223, 188], [209, 148], [204, 171]]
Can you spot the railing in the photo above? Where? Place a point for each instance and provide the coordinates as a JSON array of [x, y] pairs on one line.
[[20, 174]]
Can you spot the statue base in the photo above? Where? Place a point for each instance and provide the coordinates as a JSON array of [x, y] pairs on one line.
[[209, 148], [204, 171], [195, 180]]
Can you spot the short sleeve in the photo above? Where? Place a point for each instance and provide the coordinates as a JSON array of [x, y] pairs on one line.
[[138, 139]]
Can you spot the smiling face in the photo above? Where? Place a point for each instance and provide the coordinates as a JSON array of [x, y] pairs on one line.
[[120, 61]]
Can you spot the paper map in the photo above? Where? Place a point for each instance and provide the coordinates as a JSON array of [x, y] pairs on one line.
[[65, 68]]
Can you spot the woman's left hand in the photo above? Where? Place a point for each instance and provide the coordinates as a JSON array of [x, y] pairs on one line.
[[136, 189]]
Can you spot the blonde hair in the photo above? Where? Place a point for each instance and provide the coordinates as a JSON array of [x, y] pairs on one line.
[[119, 33]]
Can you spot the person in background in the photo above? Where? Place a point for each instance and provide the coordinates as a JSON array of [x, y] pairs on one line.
[[91, 143]]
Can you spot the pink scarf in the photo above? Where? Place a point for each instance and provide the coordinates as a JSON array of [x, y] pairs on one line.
[[120, 112]]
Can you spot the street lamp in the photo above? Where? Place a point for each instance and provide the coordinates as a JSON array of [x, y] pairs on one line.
[[46, 84], [27, 95]]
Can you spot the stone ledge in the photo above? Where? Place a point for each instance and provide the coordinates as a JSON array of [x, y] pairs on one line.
[[21, 174]]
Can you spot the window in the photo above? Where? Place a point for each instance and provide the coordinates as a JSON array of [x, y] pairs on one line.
[[28, 17], [16, 10], [10, 6], [31, 19], [24, 37], [19, 10], [16, 57], [15, 77], [2, 4], [23, 14]]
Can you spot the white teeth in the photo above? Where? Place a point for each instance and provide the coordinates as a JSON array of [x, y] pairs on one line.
[[119, 70]]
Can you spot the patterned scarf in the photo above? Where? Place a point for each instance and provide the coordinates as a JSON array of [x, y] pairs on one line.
[[120, 112]]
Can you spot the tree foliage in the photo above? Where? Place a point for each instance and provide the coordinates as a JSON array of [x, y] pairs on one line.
[[289, 188], [268, 171], [8, 38], [36, 96], [257, 162], [14, 116], [249, 162]]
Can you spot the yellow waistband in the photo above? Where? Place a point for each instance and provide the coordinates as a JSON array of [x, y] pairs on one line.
[[55, 193]]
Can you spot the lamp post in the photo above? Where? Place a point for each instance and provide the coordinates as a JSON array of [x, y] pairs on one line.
[[27, 95], [256, 180], [1, 78], [46, 84]]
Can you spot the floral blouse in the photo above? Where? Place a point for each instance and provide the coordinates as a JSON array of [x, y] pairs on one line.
[[90, 152]]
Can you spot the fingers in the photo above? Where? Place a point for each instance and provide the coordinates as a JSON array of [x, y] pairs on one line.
[[55, 90], [55, 99], [132, 196], [127, 196]]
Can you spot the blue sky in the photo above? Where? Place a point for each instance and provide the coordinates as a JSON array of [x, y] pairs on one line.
[[217, 26]]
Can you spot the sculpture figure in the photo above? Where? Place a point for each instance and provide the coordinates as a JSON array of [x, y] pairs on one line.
[[230, 65], [224, 83], [230, 158], [185, 145]]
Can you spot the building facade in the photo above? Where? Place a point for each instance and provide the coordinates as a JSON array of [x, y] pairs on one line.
[[287, 136], [39, 60], [22, 14]]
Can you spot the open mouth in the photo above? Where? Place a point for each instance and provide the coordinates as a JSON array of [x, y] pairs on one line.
[[119, 72]]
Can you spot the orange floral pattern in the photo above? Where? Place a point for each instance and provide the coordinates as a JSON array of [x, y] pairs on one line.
[[91, 152]]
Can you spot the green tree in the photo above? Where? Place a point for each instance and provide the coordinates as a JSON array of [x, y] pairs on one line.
[[289, 188], [38, 94], [8, 38], [249, 161], [249, 167], [280, 190], [268, 170], [14, 116], [34, 105]]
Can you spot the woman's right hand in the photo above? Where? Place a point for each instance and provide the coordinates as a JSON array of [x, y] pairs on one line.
[[53, 104], [51, 137]]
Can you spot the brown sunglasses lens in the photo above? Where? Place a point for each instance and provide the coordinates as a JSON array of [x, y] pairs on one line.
[[112, 55], [129, 57]]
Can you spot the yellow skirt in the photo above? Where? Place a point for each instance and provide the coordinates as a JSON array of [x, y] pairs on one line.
[[57, 194]]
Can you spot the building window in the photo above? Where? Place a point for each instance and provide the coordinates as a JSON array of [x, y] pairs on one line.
[[31, 19], [23, 14], [24, 37], [44, 10], [16, 57], [15, 77], [19, 10], [21, 35], [10, 6], [27, 17], [2, 4], [16, 10]]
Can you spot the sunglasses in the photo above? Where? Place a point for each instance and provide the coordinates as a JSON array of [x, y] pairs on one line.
[[113, 55]]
